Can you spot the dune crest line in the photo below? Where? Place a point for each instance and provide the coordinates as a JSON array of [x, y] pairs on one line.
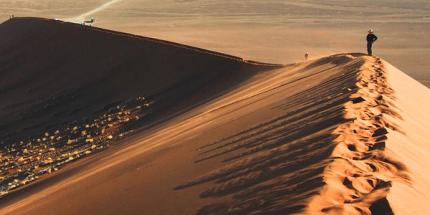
[[361, 173]]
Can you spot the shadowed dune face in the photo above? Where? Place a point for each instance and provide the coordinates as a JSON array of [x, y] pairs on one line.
[[307, 138], [70, 90], [274, 166], [53, 72]]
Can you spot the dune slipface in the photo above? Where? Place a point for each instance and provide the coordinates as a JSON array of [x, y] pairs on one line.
[[344, 134], [53, 72], [69, 90]]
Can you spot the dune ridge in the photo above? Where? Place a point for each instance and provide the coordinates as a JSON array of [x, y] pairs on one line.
[[361, 174], [353, 174], [317, 146], [276, 166]]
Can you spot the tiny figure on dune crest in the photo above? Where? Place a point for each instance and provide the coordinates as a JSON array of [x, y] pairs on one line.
[[371, 38], [89, 22], [306, 56]]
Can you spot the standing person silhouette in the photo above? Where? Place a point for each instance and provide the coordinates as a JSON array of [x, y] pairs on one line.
[[371, 38]]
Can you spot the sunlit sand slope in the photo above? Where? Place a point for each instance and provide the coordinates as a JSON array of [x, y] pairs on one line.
[[411, 144]]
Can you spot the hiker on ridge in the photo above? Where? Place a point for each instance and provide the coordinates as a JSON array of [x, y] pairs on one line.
[[371, 38]]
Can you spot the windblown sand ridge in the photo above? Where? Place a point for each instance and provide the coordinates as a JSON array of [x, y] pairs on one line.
[[318, 137]]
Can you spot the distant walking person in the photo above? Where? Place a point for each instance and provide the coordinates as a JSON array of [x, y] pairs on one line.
[[306, 56], [371, 38]]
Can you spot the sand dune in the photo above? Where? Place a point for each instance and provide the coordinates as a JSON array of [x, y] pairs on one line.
[[344, 134], [81, 70], [63, 101]]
